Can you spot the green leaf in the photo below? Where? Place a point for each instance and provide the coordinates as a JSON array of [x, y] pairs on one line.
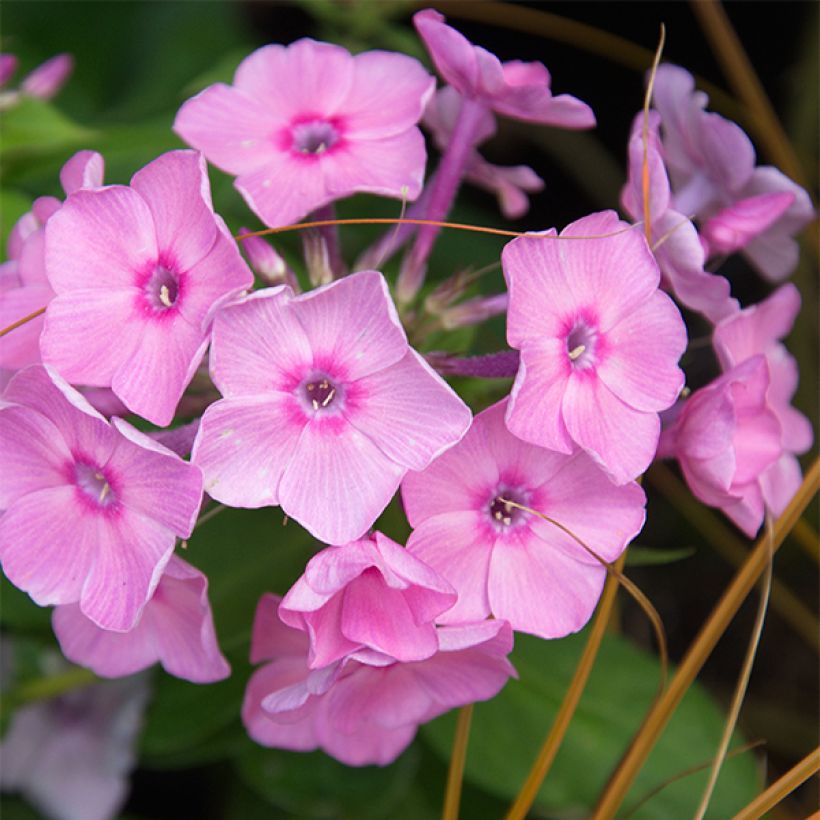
[[650, 556], [12, 206], [316, 786], [33, 126], [508, 731]]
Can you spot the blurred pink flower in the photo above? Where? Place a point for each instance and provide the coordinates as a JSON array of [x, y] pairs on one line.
[[138, 272], [506, 561], [370, 593], [48, 78], [307, 124], [92, 509], [176, 628], [599, 343], [326, 406], [366, 708]]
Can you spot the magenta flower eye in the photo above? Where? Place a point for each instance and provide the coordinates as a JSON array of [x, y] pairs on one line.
[[314, 137], [94, 485], [320, 393], [162, 290], [582, 341]]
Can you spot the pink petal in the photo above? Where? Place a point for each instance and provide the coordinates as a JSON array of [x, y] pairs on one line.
[[389, 166], [641, 363], [271, 637], [244, 445], [49, 77], [619, 438], [454, 546], [89, 333], [452, 53], [780, 482], [100, 240], [534, 412], [84, 170], [352, 324], [247, 354], [230, 127], [48, 546], [175, 187], [388, 94], [541, 590], [328, 643], [21, 347], [409, 412], [337, 482], [735, 226]]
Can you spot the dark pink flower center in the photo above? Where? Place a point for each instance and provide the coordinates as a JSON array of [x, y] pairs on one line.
[[503, 510], [162, 288], [94, 484], [314, 137], [320, 393], [582, 341]]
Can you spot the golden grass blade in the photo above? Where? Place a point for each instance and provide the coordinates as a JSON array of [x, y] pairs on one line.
[[21, 322], [781, 788], [806, 536], [549, 749], [630, 764], [729, 52], [452, 796], [647, 217], [743, 679]]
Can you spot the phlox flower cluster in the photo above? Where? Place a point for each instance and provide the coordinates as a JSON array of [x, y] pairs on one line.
[[316, 401]]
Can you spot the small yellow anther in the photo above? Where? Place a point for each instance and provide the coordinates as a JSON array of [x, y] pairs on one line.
[[165, 296], [576, 352]]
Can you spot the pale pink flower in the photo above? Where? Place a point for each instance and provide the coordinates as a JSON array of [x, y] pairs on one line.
[[24, 285], [176, 628], [506, 561], [725, 438], [599, 343], [758, 330], [372, 594], [678, 249], [138, 272], [70, 756], [326, 406], [48, 78], [366, 708], [711, 162], [92, 509], [514, 89], [307, 124]]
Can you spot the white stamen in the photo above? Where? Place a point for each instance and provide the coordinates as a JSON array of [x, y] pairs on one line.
[[315, 404], [165, 296], [105, 490], [576, 352], [329, 397]]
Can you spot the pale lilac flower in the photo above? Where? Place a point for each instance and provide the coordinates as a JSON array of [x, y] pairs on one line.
[[514, 89], [711, 162], [372, 594], [307, 124], [758, 330], [509, 184], [678, 249], [24, 285], [599, 343], [71, 756], [92, 509], [725, 438], [48, 78], [506, 561], [366, 708], [139, 272], [326, 406], [176, 628]]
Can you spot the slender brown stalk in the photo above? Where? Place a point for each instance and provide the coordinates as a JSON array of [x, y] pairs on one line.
[[21, 322], [647, 225], [549, 749], [742, 683], [782, 787], [452, 797], [737, 67], [646, 737], [724, 541]]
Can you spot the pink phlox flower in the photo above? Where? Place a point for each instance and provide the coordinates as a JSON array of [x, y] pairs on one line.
[[70, 756], [24, 285], [507, 562], [725, 438], [366, 708], [176, 629], [675, 242], [599, 343], [307, 124], [92, 509], [47, 79], [326, 406], [509, 184], [139, 272], [513, 89], [711, 162], [758, 330], [370, 593]]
